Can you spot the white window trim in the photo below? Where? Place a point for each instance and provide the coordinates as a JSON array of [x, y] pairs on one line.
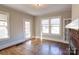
[[41, 26], [8, 27], [49, 18], [50, 25], [28, 20]]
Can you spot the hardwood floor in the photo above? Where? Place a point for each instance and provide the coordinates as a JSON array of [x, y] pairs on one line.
[[37, 47]]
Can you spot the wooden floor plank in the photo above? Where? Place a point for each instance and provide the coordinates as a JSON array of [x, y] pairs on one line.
[[37, 47]]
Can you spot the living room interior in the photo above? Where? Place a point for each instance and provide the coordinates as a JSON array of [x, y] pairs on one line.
[[39, 29]]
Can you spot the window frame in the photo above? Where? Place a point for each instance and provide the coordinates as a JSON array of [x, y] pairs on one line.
[[27, 20], [49, 18], [26, 29], [55, 26], [42, 25], [8, 25]]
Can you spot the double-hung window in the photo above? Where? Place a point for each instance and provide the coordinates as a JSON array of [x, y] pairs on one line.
[[51, 26], [45, 26], [3, 26], [55, 25]]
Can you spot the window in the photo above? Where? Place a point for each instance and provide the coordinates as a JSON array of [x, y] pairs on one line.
[[45, 26], [3, 26], [55, 25], [51, 26], [27, 29]]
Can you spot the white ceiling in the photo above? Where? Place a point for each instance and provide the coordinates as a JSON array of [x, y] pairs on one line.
[[45, 9]]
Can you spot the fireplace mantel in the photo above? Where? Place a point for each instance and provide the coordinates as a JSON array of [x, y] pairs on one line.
[[73, 25]]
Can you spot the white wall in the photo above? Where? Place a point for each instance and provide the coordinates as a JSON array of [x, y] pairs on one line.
[[75, 11]]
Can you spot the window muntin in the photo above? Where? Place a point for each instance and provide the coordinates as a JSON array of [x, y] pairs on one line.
[[51, 26], [27, 29], [45, 26], [55, 26], [4, 26]]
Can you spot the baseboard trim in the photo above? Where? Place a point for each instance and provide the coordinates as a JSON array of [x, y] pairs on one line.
[[57, 40]]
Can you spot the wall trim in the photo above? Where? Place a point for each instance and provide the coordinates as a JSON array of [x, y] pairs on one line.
[[62, 41]]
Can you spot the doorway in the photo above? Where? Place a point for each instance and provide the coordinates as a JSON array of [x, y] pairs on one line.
[[27, 29]]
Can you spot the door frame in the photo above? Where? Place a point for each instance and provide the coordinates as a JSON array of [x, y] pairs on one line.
[[26, 19]]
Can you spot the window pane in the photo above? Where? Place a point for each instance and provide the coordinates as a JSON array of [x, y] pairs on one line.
[[55, 30], [55, 21], [45, 22], [45, 29], [3, 26], [45, 26], [3, 17], [3, 23], [3, 32], [27, 29]]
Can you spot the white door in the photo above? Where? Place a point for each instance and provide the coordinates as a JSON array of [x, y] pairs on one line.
[[27, 29]]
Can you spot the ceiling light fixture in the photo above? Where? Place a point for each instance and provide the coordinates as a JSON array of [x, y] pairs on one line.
[[38, 5]]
